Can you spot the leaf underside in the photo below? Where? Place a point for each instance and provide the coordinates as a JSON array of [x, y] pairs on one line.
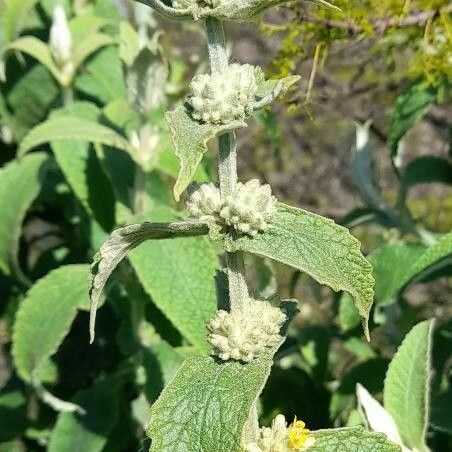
[[123, 240]]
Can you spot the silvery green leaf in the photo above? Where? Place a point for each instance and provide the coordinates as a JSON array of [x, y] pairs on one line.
[[38, 50], [269, 90], [124, 239], [67, 128], [206, 405], [351, 439], [146, 80], [190, 142], [20, 182], [318, 247], [406, 389], [40, 312], [243, 10]]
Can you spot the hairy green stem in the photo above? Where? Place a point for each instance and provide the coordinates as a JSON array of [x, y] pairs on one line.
[[227, 165]]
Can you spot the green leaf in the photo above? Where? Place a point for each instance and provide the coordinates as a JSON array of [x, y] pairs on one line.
[[160, 362], [398, 264], [20, 182], [129, 44], [13, 412], [87, 432], [89, 45], [45, 317], [268, 90], [351, 439], [38, 50], [72, 128], [410, 106], [179, 274], [123, 240], [146, 80], [440, 415], [102, 76], [29, 105], [390, 264], [406, 390], [190, 142], [206, 405], [426, 170], [317, 246], [15, 18], [85, 25], [81, 166]]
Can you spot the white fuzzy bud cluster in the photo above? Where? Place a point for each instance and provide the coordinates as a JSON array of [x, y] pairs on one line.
[[223, 97], [282, 438], [244, 334], [248, 210], [60, 37], [205, 202]]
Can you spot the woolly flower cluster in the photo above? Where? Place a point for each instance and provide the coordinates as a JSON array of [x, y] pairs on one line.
[[282, 438], [244, 334], [223, 97], [248, 210]]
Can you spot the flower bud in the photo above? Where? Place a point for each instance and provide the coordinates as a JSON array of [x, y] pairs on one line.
[[60, 37], [250, 208], [205, 202], [282, 438], [221, 98], [246, 333]]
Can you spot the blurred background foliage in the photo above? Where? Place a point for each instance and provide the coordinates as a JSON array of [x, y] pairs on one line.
[[364, 138]]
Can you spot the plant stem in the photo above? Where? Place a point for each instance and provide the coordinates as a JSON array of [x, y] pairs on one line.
[[227, 165], [67, 95]]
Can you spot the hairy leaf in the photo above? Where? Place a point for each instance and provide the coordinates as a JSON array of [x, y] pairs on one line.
[[20, 182], [72, 128], [123, 240], [318, 247], [406, 390], [269, 90], [351, 439], [102, 77], [390, 264], [87, 432], [428, 169], [190, 142], [398, 264], [179, 276], [38, 50], [45, 316], [89, 45], [81, 166], [206, 405], [31, 105], [410, 106], [15, 17], [146, 79]]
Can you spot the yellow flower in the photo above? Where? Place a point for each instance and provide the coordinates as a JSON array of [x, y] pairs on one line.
[[299, 437]]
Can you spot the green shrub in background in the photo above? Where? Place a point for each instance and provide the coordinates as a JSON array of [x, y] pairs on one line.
[[189, 353]]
